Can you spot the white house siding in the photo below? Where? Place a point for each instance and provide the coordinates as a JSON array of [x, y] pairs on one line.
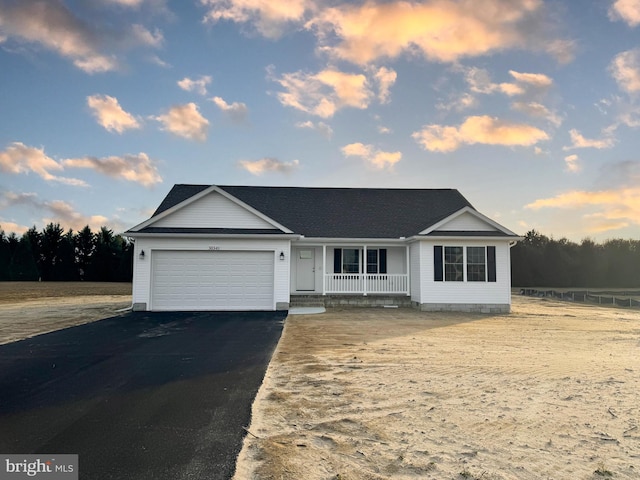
[[466, 222], [472, 296], [415, 252], [213, 210], [142, 280]]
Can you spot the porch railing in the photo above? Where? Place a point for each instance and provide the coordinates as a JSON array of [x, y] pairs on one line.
[[366, 283]]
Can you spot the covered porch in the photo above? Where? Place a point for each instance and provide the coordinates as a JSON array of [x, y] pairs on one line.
[[353, 269]]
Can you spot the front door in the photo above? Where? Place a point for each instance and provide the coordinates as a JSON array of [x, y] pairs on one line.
[[305, 269]]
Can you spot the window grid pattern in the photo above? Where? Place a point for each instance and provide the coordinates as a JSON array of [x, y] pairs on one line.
[[350, 260], [476, 264], [453, 264], [372, 261]]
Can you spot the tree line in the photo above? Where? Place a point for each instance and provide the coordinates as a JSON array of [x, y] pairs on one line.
[[56, 255], [540, 261], [536, 261]]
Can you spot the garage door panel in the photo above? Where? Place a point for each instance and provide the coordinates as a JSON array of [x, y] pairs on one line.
[[219, 280]]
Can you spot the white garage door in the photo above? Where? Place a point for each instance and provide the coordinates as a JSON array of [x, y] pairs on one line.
[[212, 280]]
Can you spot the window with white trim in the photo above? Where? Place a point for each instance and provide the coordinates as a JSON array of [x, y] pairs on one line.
[[347, 260], [453, 264], [460, 264], [476, 264]]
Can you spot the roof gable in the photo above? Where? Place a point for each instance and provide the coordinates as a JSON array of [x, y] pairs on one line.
[[467, 221], [207, 209]]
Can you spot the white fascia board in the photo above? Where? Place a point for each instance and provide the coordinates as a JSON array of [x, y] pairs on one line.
[[473, 212], [263, 236], [487, 238], [197, 196], [349, 241]]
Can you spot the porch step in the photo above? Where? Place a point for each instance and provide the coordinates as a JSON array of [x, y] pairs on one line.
[[342, 300], [306, 301]]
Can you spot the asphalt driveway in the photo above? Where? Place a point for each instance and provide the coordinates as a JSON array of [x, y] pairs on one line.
[[140, 396]]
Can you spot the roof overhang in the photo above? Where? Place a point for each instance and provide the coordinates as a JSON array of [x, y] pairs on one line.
[[349, 241], [468, 238], [472, 211], [263, 236]]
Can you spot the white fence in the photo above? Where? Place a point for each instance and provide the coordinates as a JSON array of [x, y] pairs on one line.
[[366, 283]]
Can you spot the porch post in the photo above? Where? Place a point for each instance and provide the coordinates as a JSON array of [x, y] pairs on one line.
[[323, 269], [408, 271], [364, 269]]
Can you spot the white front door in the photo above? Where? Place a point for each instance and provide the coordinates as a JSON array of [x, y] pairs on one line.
[[305, 269]]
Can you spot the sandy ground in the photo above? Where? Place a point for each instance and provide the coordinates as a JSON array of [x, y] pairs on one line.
[[28, 309], [551, 391]]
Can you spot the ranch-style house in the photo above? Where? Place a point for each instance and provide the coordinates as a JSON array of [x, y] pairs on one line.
[[216, 247]]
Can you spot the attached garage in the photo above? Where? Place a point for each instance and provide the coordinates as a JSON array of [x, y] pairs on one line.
[[212, 280]]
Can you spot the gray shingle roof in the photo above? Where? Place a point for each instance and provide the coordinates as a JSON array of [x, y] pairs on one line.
[[340, 212]]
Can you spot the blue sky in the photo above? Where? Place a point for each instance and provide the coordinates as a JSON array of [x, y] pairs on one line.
[[530, 108]]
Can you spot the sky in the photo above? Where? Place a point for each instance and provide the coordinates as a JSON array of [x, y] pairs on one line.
[[530, 108]]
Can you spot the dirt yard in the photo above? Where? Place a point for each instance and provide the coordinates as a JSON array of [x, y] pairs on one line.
[[551, 391], [31, 308]]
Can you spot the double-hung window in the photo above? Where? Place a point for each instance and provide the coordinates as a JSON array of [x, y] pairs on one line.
[[476, 264], [460, 264], [453, 264], [347, 260]]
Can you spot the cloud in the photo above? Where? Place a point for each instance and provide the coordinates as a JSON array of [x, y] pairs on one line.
[[20, 158], [535, 109], [110, 114], [134, 168], [385, 78], [383, 130], [323, 93], [572, 165], [459, 103], [55, 211], [127, 3], [269, 17], [478, 129], [140, 35], [53, 26], [267, 164], [578, 141], [185, 121], [320, 127], [237, 111], [442, 31], [615, 208], [525, 83], [626, 10], [89, 46], [378, 159], [625, 69], [199, 86], [12, 227]]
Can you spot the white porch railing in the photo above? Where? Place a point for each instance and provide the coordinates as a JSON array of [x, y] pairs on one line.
[[365, 283]]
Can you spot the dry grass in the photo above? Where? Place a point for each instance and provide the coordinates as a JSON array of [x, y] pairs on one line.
[[32, 308], [17, 292]]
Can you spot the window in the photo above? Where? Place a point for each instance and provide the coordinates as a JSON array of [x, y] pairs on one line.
[[450, 264], [476, 266], [350, 260], [377, 261], [347, 260], [453, 264]]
